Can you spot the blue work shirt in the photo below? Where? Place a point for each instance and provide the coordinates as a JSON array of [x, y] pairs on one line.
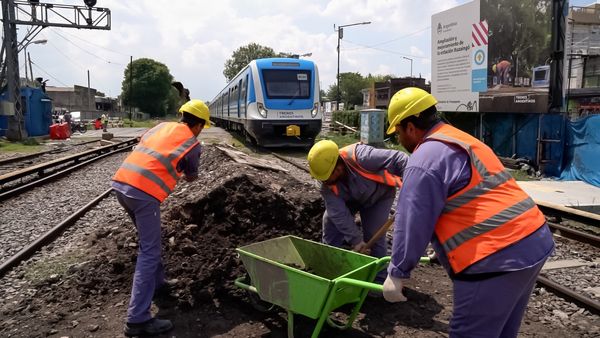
[[356, 192], [188, 164], [435, 171]]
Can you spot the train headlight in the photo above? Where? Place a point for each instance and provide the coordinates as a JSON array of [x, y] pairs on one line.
[[315, 110], [262, 110]]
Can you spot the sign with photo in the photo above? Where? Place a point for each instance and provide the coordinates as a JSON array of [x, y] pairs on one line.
[[492, 56]]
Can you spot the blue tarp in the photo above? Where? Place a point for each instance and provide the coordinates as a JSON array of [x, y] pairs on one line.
[[582, 151]]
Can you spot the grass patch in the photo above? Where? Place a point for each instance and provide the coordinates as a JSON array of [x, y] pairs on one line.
[[140, 124], [344, 140], [42, 270], [29, 145], [520, 175]]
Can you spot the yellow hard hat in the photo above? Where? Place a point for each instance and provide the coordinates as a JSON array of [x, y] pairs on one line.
[[322, 159], [408, 102], [197, 108]]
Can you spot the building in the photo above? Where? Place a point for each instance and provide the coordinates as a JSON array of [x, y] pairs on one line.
[[582, 64], [90, 102], [379, 95]]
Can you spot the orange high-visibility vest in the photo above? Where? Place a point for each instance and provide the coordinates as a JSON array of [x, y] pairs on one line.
[[348, 154], [490, 213], [152, 166]]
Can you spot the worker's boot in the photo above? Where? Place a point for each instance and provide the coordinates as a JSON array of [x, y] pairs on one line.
[[151, 327]]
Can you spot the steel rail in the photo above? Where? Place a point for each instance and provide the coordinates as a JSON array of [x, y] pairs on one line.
[[294, 163], [573, 234], [570, 295], [551, 209], [40, 168], [41, 153], [17, 190], [49, 236]]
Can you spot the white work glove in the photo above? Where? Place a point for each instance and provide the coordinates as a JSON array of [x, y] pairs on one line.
[[392, 290], [361, 248]]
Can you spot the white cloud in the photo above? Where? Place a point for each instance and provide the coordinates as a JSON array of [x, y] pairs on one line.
[[194, 38]]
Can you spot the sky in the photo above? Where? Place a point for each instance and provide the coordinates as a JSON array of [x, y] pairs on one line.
[[194, 38]]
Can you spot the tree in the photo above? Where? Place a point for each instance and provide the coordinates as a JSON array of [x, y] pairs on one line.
[[151, 84], [242, 57], [351, 85]]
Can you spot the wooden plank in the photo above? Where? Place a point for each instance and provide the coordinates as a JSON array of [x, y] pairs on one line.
[[243, 158]]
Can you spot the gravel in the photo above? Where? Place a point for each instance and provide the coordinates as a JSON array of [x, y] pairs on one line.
[[27, 216]]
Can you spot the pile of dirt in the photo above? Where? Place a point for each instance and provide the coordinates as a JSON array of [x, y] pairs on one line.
[[229, 206]]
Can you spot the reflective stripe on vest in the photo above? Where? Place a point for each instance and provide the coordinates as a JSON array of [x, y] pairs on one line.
[[348, 154], [490, 213], [152, 166]]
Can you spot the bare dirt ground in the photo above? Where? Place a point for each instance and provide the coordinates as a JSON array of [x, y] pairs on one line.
[[231, 205]]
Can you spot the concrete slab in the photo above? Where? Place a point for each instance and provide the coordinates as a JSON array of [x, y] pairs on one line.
[[576, 194], [565, 264]]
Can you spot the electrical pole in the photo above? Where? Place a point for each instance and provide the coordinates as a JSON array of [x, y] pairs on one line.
[[130, 87], [39, 16], [340, 31]]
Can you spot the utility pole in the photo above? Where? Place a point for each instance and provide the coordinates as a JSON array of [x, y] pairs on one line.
[[39, 16], [411, 73], [130, 86], [89, 92], [340, 30]]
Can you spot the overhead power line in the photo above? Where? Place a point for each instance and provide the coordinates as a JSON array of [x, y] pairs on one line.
[[50, 75], [85, 50], [94, 44], [388, 51], [393, 40]]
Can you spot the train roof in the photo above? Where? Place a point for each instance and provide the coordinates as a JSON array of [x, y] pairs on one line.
[[283, 62]]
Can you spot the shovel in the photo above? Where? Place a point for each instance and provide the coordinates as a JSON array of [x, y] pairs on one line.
[[381, 232]]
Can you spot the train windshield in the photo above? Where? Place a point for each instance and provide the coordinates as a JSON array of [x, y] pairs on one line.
[[287, 84]]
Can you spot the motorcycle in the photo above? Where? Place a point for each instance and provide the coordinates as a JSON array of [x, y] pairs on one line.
[[78, 127]]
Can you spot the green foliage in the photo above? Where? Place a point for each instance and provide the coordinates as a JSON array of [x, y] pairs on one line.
[[340, 140], [242, 57], [151, 86], [351, 118], [351, 85], [173, 101], [520, 30]]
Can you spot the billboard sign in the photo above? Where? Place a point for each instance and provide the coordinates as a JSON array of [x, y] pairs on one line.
[[492, 56]]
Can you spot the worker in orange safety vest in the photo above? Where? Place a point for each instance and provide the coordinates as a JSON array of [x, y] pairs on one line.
[[356, 179], [148, 175], [487, 232]]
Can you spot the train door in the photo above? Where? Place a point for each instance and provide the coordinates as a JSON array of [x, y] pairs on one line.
[[245, 95], [239, 98], [228, 101]]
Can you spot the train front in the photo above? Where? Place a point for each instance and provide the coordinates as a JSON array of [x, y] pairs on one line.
[[286, 103]]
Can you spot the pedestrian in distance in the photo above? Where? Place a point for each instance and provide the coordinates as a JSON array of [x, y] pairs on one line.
[[502, 71], [487, 232], [104, 119], [356, 179], [146, 177]]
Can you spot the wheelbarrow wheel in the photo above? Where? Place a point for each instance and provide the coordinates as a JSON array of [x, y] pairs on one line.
[[256, 302]]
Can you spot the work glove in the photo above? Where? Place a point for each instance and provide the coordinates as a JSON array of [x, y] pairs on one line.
[[361, 248], [392, 290]]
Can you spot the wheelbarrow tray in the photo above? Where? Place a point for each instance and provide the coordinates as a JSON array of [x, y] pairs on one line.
[[300, 275]]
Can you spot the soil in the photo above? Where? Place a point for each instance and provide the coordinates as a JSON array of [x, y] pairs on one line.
[[231, 205]]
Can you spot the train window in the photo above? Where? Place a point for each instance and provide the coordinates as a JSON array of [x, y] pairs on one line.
[[287, 84]]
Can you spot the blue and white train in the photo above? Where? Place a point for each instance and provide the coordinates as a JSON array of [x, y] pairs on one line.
[[273, 102]]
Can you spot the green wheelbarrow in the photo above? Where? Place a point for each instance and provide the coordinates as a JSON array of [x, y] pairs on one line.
[[309, 278]]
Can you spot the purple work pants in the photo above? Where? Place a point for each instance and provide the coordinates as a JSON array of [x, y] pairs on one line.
[[149, 273], [492, 307], [372, 218]]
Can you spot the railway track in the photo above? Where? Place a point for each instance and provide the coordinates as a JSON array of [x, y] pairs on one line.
[[19, 162], [16, 182]]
